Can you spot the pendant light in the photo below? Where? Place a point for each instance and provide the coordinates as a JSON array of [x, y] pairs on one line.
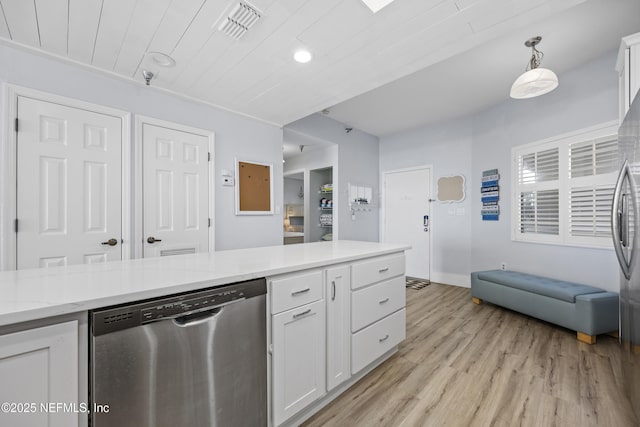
[[535, 81]]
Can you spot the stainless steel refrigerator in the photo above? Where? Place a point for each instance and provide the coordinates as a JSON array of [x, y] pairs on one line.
[[625, 224]]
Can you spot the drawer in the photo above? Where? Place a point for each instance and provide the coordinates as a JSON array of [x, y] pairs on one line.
[[376, 269], [292, 291], [375, 340], [372, 303]]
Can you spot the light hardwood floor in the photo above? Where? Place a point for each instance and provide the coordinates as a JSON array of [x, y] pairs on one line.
[[464, 364]]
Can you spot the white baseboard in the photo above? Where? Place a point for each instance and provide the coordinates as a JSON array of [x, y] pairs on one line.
[[462, 280]]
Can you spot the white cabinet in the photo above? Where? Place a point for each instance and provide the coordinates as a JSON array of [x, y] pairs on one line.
[[298, 359], [327, 325], [377, 308], [376, 339], [364, 273], [628, 67], [338, 331], [377, 301], [293, 290], [40, 367]]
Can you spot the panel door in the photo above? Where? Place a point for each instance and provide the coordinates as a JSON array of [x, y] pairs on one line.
[[69, 190], [338, 295], [38, 367], [298, 359], [175, 192], [406, 202]]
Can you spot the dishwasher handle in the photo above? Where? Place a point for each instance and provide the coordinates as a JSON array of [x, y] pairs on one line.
[[196, 317]]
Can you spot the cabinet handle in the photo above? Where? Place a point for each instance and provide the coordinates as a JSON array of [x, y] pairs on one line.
[[302, 291], [383, 270], [304, 313], [333, 290], [383, 339], [382, 301]]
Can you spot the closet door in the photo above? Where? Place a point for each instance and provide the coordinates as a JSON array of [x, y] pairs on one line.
[[69, 190]]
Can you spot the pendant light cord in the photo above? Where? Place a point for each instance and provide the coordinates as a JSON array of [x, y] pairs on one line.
[[536, 59]]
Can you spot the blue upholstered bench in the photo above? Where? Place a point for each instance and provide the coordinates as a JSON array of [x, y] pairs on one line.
[[587, 310]]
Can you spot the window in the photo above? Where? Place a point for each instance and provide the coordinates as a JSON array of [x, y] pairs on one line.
[[563, 188]]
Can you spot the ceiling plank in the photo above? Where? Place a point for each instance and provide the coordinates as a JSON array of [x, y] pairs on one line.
[[283, 21], [4, 29], [84, 18], [146, 19], [22, 21], [53, 19], [114, 22], [217, 45], [195, 37], [175, 22]]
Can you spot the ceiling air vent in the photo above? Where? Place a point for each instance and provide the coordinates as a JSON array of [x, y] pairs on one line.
[[241, 18]]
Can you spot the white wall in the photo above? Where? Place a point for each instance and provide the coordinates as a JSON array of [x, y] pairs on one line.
[[447, 148], [291, 190], [235, 135], [586, 96], [357, 164]]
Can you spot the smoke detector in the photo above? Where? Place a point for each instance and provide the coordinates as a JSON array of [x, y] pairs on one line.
[[242, 17]]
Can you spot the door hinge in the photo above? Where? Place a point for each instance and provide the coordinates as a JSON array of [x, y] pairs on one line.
[[16, 124], [15, 225], [209, 156], [209, 222]]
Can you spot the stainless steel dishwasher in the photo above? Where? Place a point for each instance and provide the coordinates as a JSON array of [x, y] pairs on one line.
[[194, 359]]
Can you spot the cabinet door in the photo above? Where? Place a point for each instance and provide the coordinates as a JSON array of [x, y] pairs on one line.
[[338, 328], [298, 359], [40, 367]]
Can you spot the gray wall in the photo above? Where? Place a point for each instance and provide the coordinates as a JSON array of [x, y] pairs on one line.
[[235, 135], [291, 190], [358, 154], [586, 96], [447, 148]]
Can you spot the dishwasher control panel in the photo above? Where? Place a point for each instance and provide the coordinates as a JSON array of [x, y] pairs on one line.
[[112, 319], [160, 310]]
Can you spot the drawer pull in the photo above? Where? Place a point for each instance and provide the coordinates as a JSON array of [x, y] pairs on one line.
[[383, 270], [383, 339], [382, 301], [300, 292], [333, 290], [304, 313]]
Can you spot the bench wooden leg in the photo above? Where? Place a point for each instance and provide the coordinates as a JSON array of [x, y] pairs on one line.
[[585, 338], [476, 300]]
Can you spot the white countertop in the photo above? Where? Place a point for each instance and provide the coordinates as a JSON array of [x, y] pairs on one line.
[[293, 234], [39, 293]]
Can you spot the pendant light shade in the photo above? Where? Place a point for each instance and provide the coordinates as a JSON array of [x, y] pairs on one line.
[[535, 81]]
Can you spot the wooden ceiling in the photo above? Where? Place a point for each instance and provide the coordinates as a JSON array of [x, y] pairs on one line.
[[354, 50]]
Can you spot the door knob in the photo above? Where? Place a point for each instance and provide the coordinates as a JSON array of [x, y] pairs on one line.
[[153, 240], [110, 242]]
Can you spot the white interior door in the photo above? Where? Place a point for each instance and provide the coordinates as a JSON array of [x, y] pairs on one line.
[[406, 203], [175, 191], [69, 191]]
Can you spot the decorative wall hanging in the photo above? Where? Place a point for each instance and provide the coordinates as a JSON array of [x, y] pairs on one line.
[[490, 195], [451, 189], [254, 189]]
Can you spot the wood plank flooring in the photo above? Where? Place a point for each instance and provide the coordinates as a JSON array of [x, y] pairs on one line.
[[464, 364]]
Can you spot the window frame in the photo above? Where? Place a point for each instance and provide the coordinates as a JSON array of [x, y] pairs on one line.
[[564, 184]]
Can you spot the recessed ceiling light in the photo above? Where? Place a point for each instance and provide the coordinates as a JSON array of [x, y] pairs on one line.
[[376, 5], [162, 59], [302, 56]]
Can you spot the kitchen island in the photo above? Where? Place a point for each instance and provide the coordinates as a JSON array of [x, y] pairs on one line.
[[45, 310]]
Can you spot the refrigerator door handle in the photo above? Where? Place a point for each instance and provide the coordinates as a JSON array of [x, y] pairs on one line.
[[617, 212]]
